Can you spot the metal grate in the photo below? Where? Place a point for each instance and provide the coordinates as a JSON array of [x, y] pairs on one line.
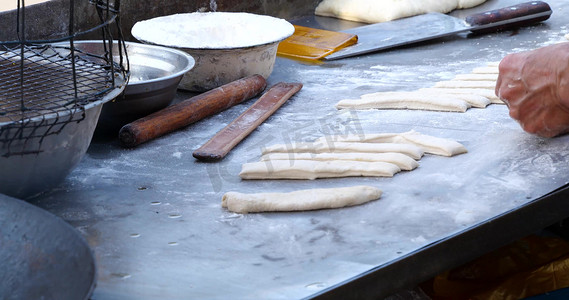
[[45, 85]]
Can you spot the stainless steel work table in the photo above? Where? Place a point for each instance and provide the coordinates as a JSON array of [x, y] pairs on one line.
[[153, 215]]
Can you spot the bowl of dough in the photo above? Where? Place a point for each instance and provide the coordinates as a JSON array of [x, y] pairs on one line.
[[226, 46]]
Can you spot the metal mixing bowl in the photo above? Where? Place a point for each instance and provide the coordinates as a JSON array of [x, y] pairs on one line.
[[155, 73], [26, 175], [42, 256], [45, 133], [226, 45]]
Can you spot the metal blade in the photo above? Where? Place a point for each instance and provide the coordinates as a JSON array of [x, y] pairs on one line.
[[400, 32]]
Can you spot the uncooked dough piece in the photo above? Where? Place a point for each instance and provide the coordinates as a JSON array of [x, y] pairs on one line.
[[473, 100], [490, 94], [321, 147], [476, 77], [310, 169], [434, 145], [300, 200], [405, 100], [363, 138], [469, 84], [375, 11], [403, 161], [429, 144], [486, 70]]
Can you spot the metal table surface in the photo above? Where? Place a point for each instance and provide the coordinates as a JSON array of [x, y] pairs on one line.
[[153, 215]]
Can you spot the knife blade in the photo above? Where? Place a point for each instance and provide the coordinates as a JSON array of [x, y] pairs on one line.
[[382, 36]]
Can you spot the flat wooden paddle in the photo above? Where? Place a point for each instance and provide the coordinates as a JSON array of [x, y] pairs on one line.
[[220, 144], [191, 110]]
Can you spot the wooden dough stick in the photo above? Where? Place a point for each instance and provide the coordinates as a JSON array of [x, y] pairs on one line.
[[191, 110], [220, 144]]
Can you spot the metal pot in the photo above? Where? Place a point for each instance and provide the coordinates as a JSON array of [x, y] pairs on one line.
[[42, 256]]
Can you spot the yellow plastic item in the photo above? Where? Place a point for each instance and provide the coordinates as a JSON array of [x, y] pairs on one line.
[[313, 44]]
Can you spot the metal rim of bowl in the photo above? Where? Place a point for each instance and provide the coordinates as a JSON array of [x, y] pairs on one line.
[[189, 59]]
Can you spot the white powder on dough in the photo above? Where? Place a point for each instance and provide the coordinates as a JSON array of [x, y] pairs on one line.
[[212, 30], [376, 11]]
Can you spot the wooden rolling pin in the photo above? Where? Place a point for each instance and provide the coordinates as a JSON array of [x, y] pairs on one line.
[[219, 145], [191, 110]]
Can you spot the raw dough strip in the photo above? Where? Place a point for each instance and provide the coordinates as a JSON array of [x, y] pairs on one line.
[[476, 77], [310, 169], [405, 100], [300, 200], [482, 92], [473, 100], [486, 70], [434, 145], [403, 161], [461, 84], [413, 151], [429, 144]]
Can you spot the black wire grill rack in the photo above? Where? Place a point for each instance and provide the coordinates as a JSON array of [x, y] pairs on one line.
[[47, 84]]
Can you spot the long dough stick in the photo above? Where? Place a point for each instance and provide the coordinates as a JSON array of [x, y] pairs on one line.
[[488, 93], [321, 147], [469, 84], [403, 161], [473, 100], [476, 77], [429, 144], [405, 100], [309, 169], [300, 200], [434, 145], [486, 70]]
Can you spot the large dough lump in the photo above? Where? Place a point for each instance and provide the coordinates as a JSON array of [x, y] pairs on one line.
[[375, 11]]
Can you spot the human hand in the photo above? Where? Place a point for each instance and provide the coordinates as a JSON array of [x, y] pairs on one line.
[[535, 87]]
